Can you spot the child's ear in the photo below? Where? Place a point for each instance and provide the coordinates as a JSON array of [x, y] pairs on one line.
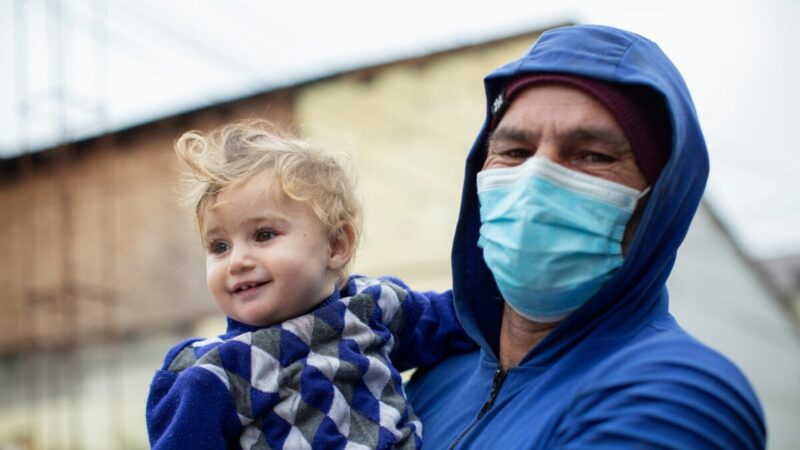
[[342, 247]]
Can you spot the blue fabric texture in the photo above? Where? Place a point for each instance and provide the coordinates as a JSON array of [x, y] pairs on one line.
[[324, 379], [619, 372]]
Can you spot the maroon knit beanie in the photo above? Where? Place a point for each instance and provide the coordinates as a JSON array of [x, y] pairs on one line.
[[638, 109]]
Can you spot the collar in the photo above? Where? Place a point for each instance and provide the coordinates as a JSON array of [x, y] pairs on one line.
[[236, 328]]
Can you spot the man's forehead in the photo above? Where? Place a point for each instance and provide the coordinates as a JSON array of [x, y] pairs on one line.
[[546, 94], [555, 96], [568, 112]]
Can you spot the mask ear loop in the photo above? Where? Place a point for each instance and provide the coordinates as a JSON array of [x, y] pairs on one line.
[[643, 193]]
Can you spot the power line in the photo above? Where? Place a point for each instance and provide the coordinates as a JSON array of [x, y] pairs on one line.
[[101, 26], [197, 46]]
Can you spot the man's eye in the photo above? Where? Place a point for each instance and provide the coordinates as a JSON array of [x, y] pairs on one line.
[[217, 247], [596, 158], [518, 153], [264, 235]]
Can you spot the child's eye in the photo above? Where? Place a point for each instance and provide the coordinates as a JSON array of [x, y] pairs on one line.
[[264, 235], [217, 247]]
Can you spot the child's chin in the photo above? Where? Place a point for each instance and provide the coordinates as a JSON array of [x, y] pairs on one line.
[[258, 321]]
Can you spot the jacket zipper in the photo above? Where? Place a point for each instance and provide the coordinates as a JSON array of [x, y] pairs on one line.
[[497, 382]]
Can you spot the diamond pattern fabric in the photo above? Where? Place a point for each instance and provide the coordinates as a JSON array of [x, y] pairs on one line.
[[320, 380]]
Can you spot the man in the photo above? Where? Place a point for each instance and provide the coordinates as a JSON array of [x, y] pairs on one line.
[[578, 192]]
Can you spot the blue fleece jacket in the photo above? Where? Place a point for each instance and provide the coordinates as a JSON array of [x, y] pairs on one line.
[[324, 379], [619, 372]]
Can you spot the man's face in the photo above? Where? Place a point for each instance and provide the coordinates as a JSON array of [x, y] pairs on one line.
[[567, 127]]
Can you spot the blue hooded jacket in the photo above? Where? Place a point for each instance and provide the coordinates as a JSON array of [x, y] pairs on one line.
[[619, 372]]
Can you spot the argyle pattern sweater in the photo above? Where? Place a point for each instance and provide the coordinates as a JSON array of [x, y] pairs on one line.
[[324, 379]]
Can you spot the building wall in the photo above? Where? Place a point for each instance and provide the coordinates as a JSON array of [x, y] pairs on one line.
[[96, 244], [719, 299], [409, 128]]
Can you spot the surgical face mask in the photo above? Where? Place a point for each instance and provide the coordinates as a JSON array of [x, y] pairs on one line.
[[551, 236]]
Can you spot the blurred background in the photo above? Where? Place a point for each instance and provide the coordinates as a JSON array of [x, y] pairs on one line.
[[101, 271]]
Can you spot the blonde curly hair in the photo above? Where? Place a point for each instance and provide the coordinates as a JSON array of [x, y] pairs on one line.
[[233, 154]]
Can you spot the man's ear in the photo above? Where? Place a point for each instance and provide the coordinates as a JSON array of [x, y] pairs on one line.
[[342, 247]]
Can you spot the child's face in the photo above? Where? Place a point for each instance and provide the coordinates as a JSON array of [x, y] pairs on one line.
[[268, 257]]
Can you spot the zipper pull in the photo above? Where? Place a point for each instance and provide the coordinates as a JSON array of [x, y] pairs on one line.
[[497, 381]]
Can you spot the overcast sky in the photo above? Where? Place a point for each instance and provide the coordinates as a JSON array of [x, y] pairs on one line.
[[125, 62]]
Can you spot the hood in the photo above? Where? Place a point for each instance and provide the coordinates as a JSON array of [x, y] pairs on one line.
[[636, 293]]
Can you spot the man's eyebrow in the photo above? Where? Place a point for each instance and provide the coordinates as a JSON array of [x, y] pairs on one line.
[[576, 134], [596, 134], [512, 134]]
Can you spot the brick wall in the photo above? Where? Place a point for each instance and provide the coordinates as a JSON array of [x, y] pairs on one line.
[[94, 243]]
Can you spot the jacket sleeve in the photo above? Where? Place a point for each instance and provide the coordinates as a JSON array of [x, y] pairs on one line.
[[192, 409], [430, 332], [677, 395]]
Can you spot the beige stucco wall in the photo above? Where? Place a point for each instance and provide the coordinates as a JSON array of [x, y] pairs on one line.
[[409, 128]]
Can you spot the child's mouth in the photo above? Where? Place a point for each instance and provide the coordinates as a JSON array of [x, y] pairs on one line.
[[249, 287]]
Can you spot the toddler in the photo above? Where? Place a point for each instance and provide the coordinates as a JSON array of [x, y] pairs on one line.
[[311, 354]]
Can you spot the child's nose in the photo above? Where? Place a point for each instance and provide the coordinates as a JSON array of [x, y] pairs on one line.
[[241, 259]]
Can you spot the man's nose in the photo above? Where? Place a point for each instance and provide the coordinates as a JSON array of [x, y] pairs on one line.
[[241, 259], [549, 151]]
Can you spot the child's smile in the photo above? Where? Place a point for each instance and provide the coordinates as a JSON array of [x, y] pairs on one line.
[[248, 288], [268, 257]]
